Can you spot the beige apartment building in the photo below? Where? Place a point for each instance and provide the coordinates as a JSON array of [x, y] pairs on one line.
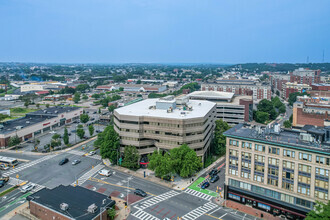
[[276, 170], [166, 123]]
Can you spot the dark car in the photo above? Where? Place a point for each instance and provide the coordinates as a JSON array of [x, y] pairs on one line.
[[205, 185], [213, 172], [85, 137], [2, 183], [140, 192], [64, 161], [214, 178], [98, 131]]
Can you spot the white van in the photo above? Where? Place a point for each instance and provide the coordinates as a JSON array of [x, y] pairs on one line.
[[27, 187], [105, 172]]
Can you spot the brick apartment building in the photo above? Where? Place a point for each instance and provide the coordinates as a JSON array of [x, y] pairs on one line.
[[320, 90], [308, 113], [278, 81], [305, 76], [252, 88], [289, 88]]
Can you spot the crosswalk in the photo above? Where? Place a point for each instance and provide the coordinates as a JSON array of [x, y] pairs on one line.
[[13, 181], [157, 199], [196, 213], [87, 175], [80, 153], [27, 165], [199, 194], [144, 215]]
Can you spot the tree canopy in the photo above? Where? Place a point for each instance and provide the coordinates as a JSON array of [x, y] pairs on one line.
[[218, 146], [84, 118], [321, 211], [108, 141], [131, 157]]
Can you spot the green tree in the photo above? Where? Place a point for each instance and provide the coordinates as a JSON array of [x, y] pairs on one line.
[[3, 117], [287, 124], [282, 109], [37, 105], [85, 97], [131, 157], [26, 104], [121, 89], [91, 130], [162, 165], [218, 146], [47, 105], [14, 141], [76, 97], [111, 108], [82, 87], [96, 96], [262, 117], [112, 213], [56, 140], [321, 211], [80, 132], [138, 82], [293, 97], [84, 118], [66, 136], [108, 141], [291, 118]]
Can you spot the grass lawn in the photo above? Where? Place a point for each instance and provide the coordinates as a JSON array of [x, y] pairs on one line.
[[195, 187], [20, 112]]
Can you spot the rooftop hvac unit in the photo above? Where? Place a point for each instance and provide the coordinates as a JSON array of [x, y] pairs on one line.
[[64, 206], [92, 208]]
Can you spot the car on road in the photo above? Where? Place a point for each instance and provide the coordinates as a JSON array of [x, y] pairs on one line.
[[30, 141], [91, 153], [213, 172], [98, 131], [64, 161], [52, 132], [3, 181], [85, 137], [28, 187], [4, 167], [75, 162], [214, 178], [105, 172], [205, 185], [140, 192]]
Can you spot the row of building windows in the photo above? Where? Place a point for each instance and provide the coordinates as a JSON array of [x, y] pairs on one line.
[[276, 151]]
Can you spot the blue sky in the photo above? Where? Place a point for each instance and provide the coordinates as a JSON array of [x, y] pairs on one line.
[[164, 31]]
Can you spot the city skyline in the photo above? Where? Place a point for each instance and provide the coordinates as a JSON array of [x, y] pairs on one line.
[[214, 32]]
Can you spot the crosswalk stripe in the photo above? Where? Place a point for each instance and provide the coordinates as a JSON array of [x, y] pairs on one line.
[[87, 175], [80, 153], [196, 213], [13, 181], [158, 199], [27, 165], [198, 194], [142, 215]]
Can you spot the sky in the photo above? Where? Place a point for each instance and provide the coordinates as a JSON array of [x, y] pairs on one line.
[[164, 31]]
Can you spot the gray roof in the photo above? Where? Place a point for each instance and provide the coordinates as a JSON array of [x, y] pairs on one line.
[[53, 111], [78, 198], [285, 138]]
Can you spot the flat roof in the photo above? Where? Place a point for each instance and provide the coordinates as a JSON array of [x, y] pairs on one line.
[[285, 138], [78, 199], [54, 110], [212, 94], [144, 108]]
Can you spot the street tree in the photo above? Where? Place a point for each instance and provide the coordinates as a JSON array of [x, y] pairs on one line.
[[14, 141], [26, 104], [91, 130], [37, 105], [282, 109], [162, 165], [85, 97], [84, 118], [321, 211], [76, 97], [80, 132], [108, 142], [66, 136], [219, 141], [131, 157], [47, 105], [287, 124], [56, 140], [3, 117], [262, 117], [111, 108]]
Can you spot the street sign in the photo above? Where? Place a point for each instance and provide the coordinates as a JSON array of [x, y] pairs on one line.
[[17, 176]]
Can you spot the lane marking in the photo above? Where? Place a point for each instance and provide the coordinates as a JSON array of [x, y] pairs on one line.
[[213, 216]]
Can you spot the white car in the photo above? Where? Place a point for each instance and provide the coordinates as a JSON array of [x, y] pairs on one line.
[[28, 187], [3, 167], [91, 153], [52, 132], [105, 172]]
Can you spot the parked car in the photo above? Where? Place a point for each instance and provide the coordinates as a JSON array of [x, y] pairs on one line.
[[4, 167], [214, 178], [69, 134], [75, 162], [28, 187], [213, 172], [52, 132], [91, 153], [98, 131], [105, 172], [30, 141], [205, 185], [64, 161], [92, 119], [140, 192], [85, 137]]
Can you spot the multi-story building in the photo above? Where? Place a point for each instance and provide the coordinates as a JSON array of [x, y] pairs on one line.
[[133, 87], [309, 113], [37, 122], [166, 123], [257, 90], [230, 108], [305, 76], [278, 171], [289, 88], [278, 81], [57, 97], [320, 90]]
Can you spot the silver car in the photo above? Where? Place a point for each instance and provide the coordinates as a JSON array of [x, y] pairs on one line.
[[28, 187]]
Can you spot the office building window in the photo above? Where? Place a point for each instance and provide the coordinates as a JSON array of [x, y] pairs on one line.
[[303, 202], [260, 148], [258, 178], [322, 172], [304, 168], [246, 165], [259, 168], [288, 153], [305, 156], [287, 198], [322, 184], [274, 150], [246, 155], [259, 158], [233, 171], [321, 195], [303, 190], [233, 162], [287, 186], [304, 179], [273, 161], [246, 145], [288, 164], [273, 171], [288, 175], [320, 160], [245, 186], [272, 181], [246, 175], [234, 142]]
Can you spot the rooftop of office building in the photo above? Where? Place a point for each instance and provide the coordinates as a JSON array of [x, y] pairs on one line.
[[309, 138], [168, 107]]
